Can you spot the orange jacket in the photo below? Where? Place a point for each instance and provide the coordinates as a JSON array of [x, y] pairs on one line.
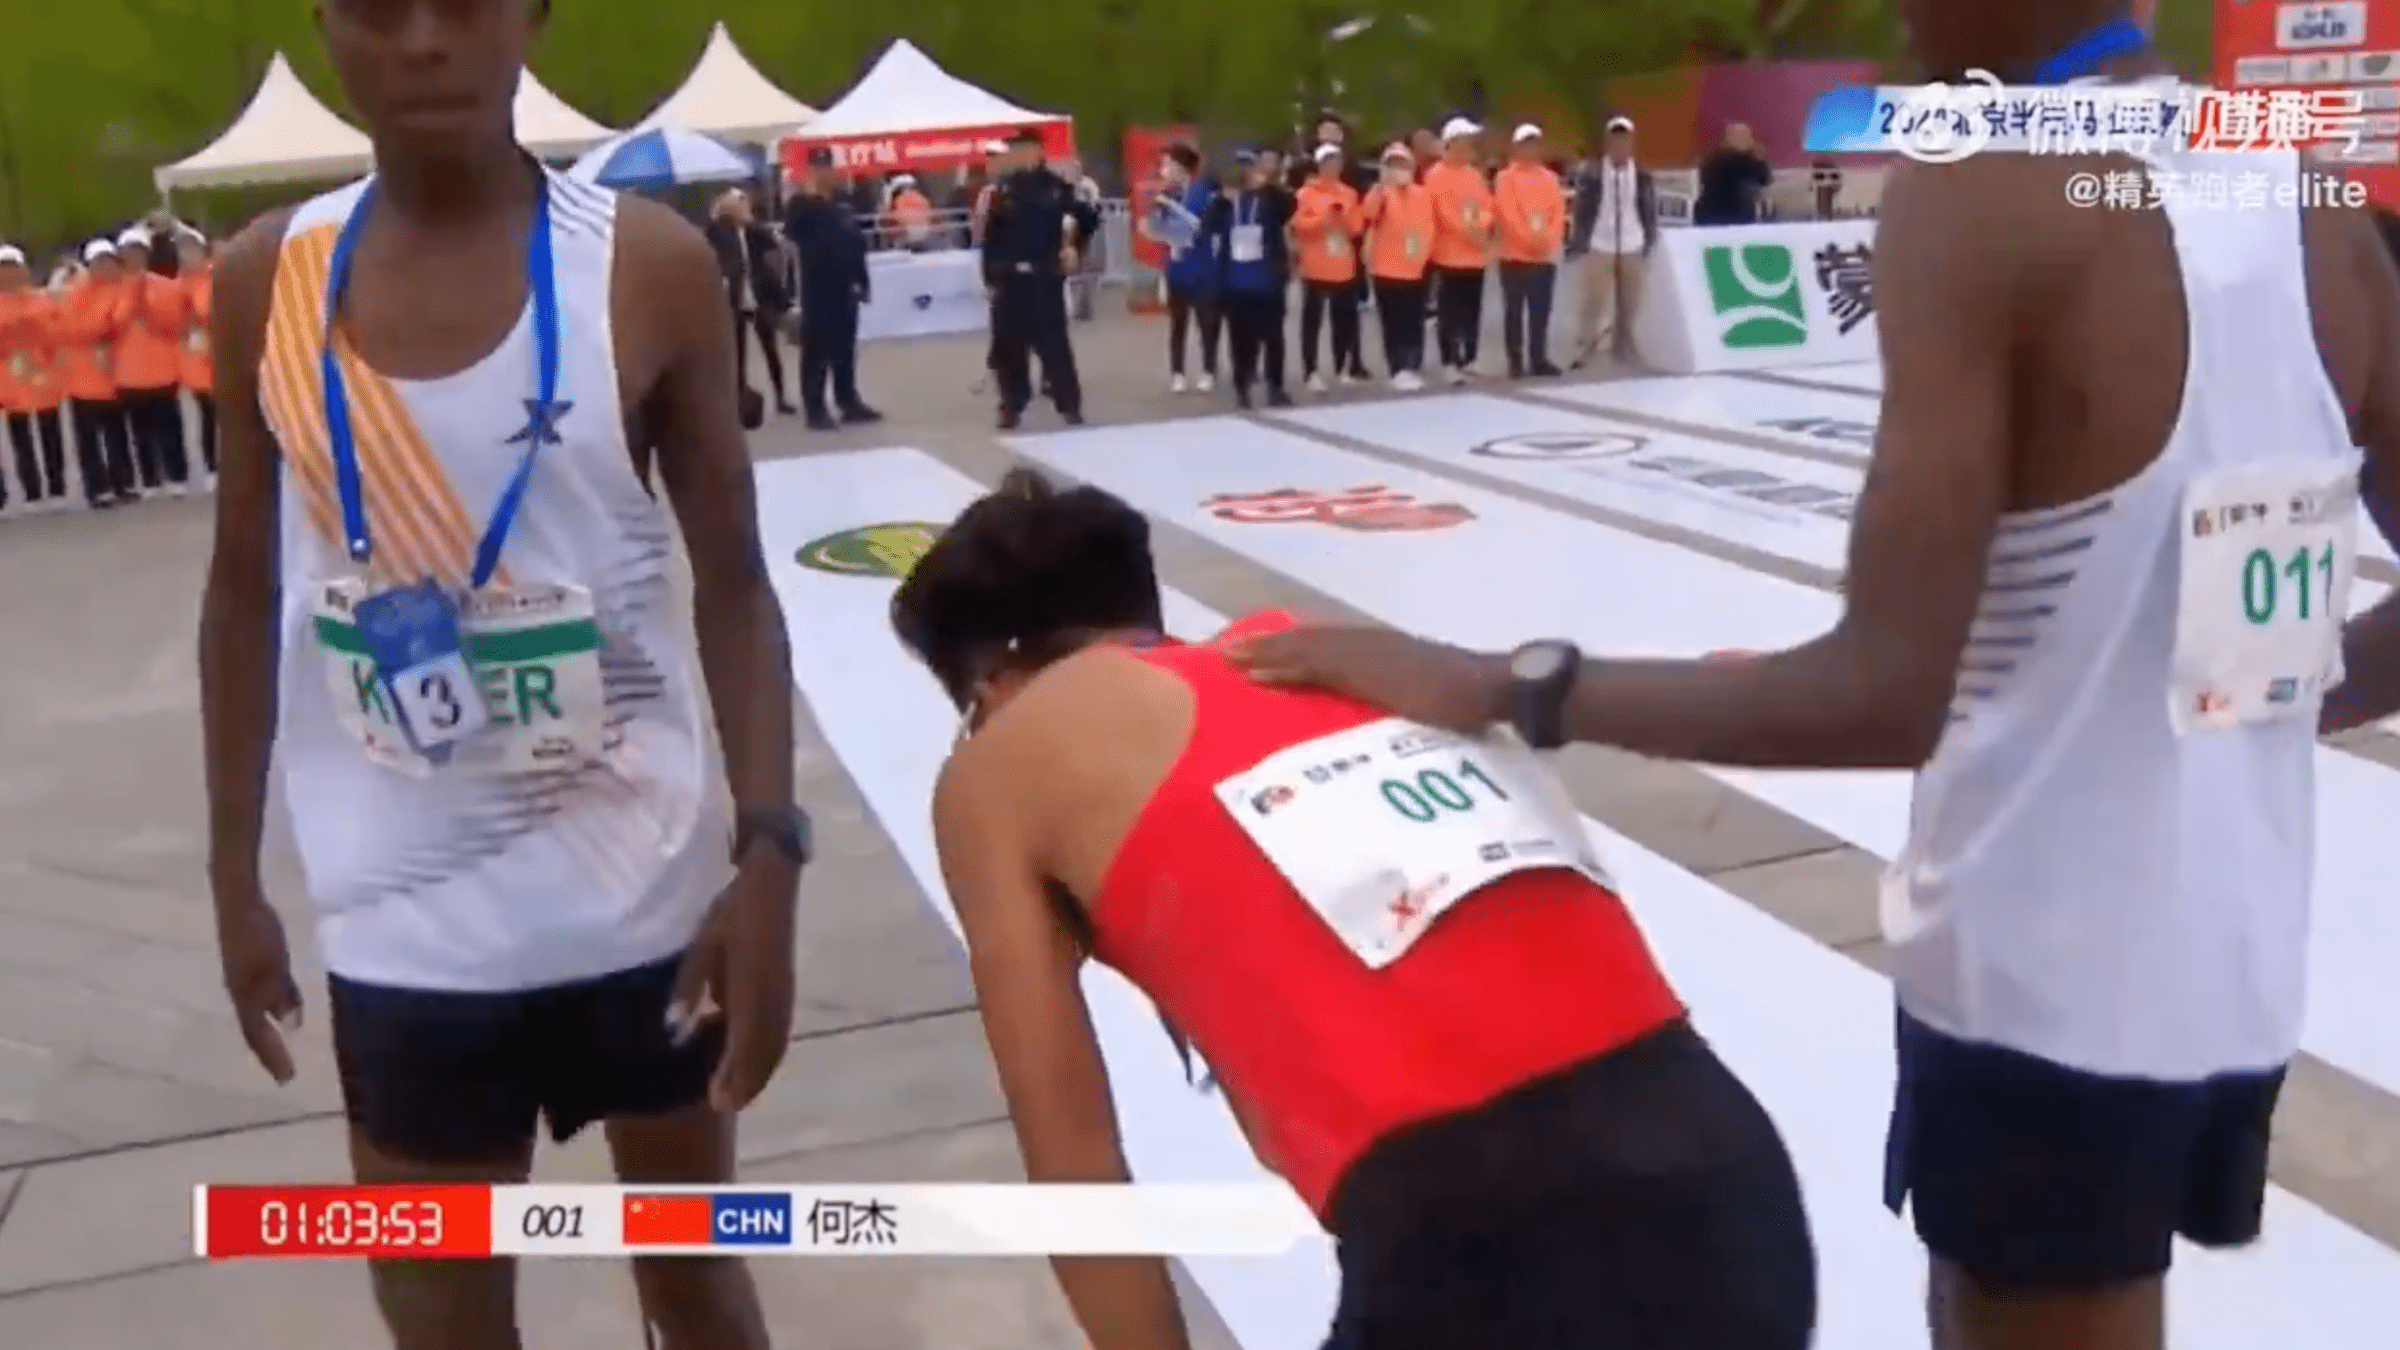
[[1327, 223], [1532, 208], [1462, 214], [1401, 218], [199, 369], [28, 352], [150, 345], [90, 321]]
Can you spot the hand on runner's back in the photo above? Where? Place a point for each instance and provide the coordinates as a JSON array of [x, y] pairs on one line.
[[258, 977], [1410, 677], [740, 969]]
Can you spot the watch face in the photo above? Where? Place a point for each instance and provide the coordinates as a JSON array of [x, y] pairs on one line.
[[1537, 661]]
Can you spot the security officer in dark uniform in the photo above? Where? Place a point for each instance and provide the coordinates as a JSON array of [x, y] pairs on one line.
[[1035, 216], [833, 283]]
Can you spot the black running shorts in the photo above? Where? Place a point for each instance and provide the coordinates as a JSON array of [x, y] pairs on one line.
[[2034, 1177], [1640, 1199], [444, 1077]]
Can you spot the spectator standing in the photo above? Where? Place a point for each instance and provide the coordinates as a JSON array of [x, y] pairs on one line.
[[1327, 222], [1733, 180], [1462, 245], [1398, 215], [149, 365], [29, 387], [1617, 224], [1532, 211], [1249, 224], [196, 273], [1174, 220], [834, 281], [755, 289], [1034, 223], [912, 214], [91, 321]]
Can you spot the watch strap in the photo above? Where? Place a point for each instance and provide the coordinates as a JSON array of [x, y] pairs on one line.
[[787, 829]]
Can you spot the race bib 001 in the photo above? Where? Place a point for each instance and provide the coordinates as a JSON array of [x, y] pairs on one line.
[[1384, 828], [2268, 553], [534, 658]]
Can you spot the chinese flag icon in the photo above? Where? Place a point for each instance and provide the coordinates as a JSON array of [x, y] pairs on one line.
[[667, 1220]]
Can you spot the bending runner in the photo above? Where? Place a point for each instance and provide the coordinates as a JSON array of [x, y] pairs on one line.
[[2095, 598], [1463, 1059], [441, 597]]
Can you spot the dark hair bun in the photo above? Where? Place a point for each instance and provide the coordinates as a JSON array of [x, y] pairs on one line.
[[1024, 567]]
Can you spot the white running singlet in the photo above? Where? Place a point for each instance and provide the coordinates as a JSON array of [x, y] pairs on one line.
[[480, 879], [2110, 855]]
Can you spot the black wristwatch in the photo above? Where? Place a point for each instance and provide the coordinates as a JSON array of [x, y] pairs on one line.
[[1540, 676], [787, 828]]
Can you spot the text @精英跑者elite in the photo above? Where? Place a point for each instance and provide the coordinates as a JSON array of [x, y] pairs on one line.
[[2153, 189]]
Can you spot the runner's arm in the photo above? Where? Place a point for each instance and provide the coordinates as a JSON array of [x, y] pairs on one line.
[[1027, 969], [1875, 691], [238, 640], [2370, 688], [704, 464]]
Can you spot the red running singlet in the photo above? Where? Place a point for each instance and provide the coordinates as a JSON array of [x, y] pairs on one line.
[[1538, 972]]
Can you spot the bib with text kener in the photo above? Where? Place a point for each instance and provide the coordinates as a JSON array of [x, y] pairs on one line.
[[1383, 828], [535, 658], [2268, 553]]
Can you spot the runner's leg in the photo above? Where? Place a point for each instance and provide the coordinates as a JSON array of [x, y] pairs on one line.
[[438, 1089], [693, 1303]]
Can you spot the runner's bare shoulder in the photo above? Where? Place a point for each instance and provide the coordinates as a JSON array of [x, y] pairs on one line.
[[243, 291], [665, 283]]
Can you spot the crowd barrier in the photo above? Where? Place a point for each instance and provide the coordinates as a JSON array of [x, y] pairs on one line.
[[1759, 297]]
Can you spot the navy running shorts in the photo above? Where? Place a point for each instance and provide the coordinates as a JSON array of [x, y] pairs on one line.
[[2034, 1177], [442, 1077]]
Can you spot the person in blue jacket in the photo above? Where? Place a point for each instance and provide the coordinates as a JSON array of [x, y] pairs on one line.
[[1249, 230], [1182, 202]]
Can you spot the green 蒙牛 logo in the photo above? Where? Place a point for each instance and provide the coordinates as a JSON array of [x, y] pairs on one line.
[[1754, 290], [892, 549]]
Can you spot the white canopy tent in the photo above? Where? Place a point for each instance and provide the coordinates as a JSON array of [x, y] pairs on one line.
[[907, 112], [548, 127], [285, 135], [906, 92], [725, 96]]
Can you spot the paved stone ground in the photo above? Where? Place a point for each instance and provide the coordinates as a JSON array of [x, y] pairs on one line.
[[122, 1082]]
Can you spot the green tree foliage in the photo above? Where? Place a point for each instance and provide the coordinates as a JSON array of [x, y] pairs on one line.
[[94, 93]]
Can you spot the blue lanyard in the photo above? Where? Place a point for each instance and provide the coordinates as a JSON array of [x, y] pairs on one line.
[[1245, 211], [2120, 36], [542, 414]]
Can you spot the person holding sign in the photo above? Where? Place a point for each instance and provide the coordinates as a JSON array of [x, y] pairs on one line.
[[1393, 947], [2096, 601], [441, 601]]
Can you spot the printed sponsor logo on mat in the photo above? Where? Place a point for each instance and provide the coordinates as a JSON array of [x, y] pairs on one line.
[[1562, 445], [892, 549], [1371, 508]]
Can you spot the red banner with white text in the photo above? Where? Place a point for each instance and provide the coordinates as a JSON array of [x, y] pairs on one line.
[[922, 151], [2340, 46]]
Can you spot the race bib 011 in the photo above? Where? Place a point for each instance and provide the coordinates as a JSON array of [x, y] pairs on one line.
[[1384, 828], [2268, 553]]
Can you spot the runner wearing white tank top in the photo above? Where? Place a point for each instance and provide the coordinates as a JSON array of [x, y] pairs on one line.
[[442, 599], [2095, 595]]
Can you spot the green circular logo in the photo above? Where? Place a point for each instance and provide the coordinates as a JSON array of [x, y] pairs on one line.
[[892, 549]]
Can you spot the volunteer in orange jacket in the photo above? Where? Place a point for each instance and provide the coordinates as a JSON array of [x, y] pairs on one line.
[[150, 366], [29, 393], [1532, 207], [196, 269], [90, 323], [1398, 215], [1462, 245], [1327, 224]]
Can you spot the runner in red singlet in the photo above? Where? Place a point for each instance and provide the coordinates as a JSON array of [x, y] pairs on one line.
[[1390, 945]]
